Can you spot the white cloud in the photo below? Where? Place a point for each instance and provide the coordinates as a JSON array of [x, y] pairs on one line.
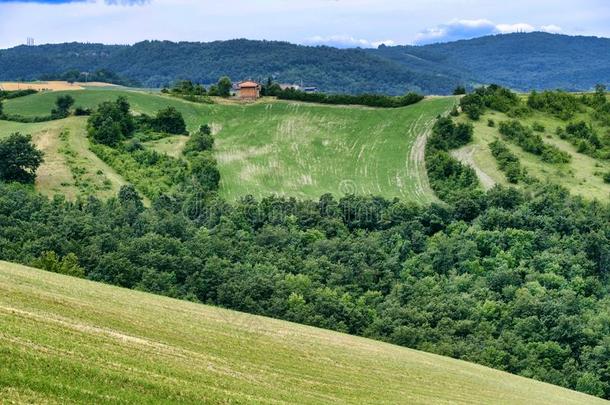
[[553, 29], [346, 41], [466, 29]]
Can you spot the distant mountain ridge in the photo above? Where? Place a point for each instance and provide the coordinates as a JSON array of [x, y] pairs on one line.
[[522, 61]]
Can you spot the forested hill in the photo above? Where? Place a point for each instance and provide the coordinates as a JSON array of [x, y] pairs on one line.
[[521, 61]]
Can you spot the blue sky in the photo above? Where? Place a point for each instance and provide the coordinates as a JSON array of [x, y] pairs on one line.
[[343, 23]]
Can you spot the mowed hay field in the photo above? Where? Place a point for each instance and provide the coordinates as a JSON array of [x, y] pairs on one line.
[[293, 149], [65, 340]]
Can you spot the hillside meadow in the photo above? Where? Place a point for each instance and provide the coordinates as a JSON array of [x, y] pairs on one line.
[[274, 147], [66, 340]]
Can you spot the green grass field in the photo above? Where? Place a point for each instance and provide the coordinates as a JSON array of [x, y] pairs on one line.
[[283, 148], [582, 176], [66, 340]]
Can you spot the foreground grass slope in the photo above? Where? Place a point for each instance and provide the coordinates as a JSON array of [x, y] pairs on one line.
[[293, 149], [66, 340]]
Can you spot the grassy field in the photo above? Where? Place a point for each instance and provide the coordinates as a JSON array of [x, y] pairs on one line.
[[293, 149], [66, 340], [581, 176]]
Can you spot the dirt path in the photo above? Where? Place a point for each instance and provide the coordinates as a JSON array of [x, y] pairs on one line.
[[466, 156]]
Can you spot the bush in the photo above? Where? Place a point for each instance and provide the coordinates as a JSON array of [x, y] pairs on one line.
[[538, 127], [531, 142], [558, 103], [68, 265], [201, 141], [508, 162], [493, 97]]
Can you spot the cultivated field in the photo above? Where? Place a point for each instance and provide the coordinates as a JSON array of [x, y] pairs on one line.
[[285, 148], [65, 340], [49, 86]]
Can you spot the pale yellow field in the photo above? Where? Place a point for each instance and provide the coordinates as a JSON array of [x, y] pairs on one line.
[[49, 86], [66, 341]]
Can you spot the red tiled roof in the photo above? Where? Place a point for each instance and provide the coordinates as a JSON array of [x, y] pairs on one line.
[[247, 85]]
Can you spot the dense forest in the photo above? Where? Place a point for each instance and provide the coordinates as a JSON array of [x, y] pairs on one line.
[[513, 60]]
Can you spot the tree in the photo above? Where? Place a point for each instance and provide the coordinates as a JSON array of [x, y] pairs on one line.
[[19, 159], [111, 123], [205, 171], [1, 109], [69, 266], [459, 90], [201, 141], [170, 121], [224, 86], [63, 105]]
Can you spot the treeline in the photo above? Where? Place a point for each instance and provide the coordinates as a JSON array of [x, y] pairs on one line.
[[509, 163], [518, 281], [100, 75], [451, 180], [371, 100]]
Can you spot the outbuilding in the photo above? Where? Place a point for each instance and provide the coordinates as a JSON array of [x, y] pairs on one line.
[[249, 90]]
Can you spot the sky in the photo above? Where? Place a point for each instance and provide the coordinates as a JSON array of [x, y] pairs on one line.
[[340, 23]]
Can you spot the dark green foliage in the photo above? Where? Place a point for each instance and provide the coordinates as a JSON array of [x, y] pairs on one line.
[[371, 100], [19, 159], [111, 122], [449, 179], [67, 265], [514, 61], [559, 103], [81, 111], [200, 141], [101, 75], [62, 106], [10, 94], [513, 280], [584, 137], [170, 121], [532, 142], [459, 90], [607, 177], [204, 170], [493, 97], [224, 86], [491, 123], [508, 162]]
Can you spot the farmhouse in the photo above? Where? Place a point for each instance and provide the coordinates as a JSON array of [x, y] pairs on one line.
[[249, 90]]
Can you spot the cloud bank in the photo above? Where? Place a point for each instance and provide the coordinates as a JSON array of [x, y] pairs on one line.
[[467, 29]]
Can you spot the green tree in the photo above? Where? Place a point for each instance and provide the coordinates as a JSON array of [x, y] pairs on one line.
[[459, 90], [62, 106], [19, 159], [169, 120], [111, 122], [204, 169], [200, 141], [224, 86]]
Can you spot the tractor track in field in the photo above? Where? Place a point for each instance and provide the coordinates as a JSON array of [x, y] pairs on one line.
[[416, 162]]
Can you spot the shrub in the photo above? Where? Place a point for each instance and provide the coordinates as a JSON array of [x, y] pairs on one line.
[[201, 141], [531, 142]]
